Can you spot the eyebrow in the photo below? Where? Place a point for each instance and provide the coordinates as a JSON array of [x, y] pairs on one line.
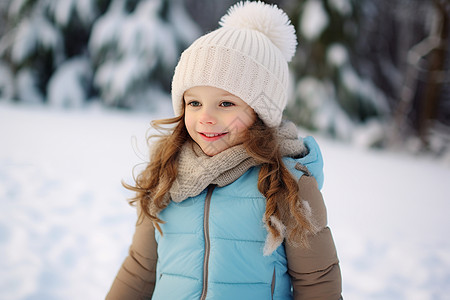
[[188, 95]]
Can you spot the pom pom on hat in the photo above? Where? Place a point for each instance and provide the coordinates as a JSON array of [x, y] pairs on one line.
[[247, 56], [267, 19]]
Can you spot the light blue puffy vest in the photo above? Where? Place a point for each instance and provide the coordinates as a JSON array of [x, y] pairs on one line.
[[234, 233]]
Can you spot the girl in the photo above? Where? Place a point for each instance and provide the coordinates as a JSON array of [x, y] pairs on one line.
[[229, 205]]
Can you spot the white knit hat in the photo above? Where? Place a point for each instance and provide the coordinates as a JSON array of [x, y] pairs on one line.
[[247, 56]]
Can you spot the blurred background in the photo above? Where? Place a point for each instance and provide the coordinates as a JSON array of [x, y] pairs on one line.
[[376, 73], [80, 80]]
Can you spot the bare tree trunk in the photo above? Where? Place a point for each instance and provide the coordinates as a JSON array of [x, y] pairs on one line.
[[410, 85], [425, 62], [429, 101]]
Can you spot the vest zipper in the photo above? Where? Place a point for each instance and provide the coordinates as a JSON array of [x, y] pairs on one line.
[[207, 241], [272, 287]]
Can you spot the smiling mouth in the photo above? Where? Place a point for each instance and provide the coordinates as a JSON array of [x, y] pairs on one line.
[[212, 136]]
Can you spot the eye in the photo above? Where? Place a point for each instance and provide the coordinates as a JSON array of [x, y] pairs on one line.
[[226, 104], [194, 103]]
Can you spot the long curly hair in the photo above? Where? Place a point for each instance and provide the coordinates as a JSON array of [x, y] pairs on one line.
[[275, 181]]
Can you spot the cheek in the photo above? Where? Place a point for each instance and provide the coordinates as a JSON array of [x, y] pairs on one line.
[[240, 124], [189, 122]]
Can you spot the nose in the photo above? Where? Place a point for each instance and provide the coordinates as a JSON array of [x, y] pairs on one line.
[[207, 117]]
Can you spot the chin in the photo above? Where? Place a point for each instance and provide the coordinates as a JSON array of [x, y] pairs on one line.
[[212, 149], [211, 153]]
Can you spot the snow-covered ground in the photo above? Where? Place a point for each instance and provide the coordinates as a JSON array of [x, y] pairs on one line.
[[65, 225]]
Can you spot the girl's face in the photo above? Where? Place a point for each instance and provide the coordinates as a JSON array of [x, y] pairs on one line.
[[215, 119]]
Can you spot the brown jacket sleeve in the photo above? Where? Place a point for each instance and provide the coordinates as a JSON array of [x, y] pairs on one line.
[[315, 272], [136, 278]]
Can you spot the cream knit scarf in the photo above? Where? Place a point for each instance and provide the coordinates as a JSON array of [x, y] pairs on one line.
[[196, 170]]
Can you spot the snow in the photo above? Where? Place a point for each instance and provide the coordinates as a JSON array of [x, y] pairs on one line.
[[370, 133], [33, 33], [344, 7], [337, 55], [106, 29], [351, 79], [129, 46], [314, 19], [64, 221], [63, 11], [65, 225], [185, 28], [68, 85], [16, 7], [389, 215], [27, 88], [318, 97], [118, 76], [26, 42], [87, 10], [366, 89]]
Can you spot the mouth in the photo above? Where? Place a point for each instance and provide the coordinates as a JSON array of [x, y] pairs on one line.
[[212, 136]]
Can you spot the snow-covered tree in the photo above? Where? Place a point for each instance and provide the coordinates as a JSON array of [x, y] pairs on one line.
[[41, 36], [330, 94], [6, 76], [135, 47], [381, 68], [3, 15], [64, 52]]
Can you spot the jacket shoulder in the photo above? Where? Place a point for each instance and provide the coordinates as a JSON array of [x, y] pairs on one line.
[[311, 164]]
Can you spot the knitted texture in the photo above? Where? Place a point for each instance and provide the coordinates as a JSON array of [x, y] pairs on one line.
[[247, 57], [196, 170]]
